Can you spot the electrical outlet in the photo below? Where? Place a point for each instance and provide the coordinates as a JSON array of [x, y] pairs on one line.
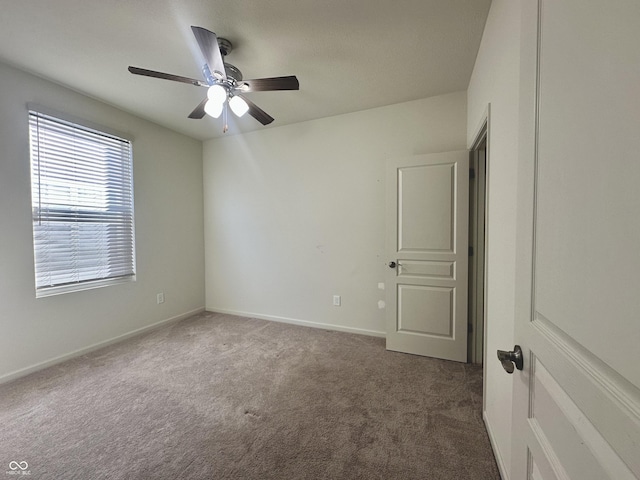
[[160, 298], [336, 300]]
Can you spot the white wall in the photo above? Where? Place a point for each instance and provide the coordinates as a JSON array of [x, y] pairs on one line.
[[295, 214], [169, 234], [495, 81]]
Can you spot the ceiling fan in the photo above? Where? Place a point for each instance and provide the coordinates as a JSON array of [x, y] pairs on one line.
[[224, 81]]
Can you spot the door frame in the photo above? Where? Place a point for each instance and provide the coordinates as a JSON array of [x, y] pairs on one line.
[[478, 241], [483, 133]]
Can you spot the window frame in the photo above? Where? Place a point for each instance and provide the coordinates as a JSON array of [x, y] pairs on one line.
[[92, 129]]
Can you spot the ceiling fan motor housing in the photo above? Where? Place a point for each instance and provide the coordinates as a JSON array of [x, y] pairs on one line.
[[233, 72]]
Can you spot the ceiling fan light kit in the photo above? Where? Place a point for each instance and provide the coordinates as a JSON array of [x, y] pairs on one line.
[[217, 93], [238, 106], [213, 109], [224, 81]]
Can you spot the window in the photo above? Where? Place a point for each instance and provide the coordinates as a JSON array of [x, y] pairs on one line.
[[82, 203]]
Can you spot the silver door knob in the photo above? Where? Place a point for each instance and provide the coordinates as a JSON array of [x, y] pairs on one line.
[[511, 359]]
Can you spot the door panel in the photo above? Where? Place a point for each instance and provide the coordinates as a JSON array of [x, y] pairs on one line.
[[425, 208], [427, 224], [577, 401], [559, 423], [427, 269], [416, 302], [587, 237]]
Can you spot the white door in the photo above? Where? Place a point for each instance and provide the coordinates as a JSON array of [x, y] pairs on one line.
[[577, 400], [427, 252]]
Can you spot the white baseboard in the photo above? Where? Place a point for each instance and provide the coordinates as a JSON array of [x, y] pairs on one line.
[[304, 323], [504, 472], [82, 351]]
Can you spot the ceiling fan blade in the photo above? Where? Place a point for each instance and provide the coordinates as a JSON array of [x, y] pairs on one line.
[[267, 84], [199, 112], [166, 76], [208, 43], [256, 112]]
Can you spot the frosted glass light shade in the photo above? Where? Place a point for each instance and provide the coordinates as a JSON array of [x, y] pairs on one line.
[[217, 94], [213, 108], [238, 106]]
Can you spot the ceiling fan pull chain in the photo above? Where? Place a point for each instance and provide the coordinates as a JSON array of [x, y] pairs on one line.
[[224, 117]]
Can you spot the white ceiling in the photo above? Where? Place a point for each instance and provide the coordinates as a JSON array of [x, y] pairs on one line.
[[349, 55]]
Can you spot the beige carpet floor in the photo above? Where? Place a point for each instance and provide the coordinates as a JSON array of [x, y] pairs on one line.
[[222, 397]]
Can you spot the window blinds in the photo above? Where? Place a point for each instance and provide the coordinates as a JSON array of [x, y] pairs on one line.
[[82, 198]]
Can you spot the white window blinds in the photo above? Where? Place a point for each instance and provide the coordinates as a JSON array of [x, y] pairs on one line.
[[82, 198]]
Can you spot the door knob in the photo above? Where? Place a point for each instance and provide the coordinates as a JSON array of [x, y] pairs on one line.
[[509, 359], [392, 264]]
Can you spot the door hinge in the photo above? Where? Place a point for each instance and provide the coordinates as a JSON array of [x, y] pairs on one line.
[[472, 174], [470, 251]]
